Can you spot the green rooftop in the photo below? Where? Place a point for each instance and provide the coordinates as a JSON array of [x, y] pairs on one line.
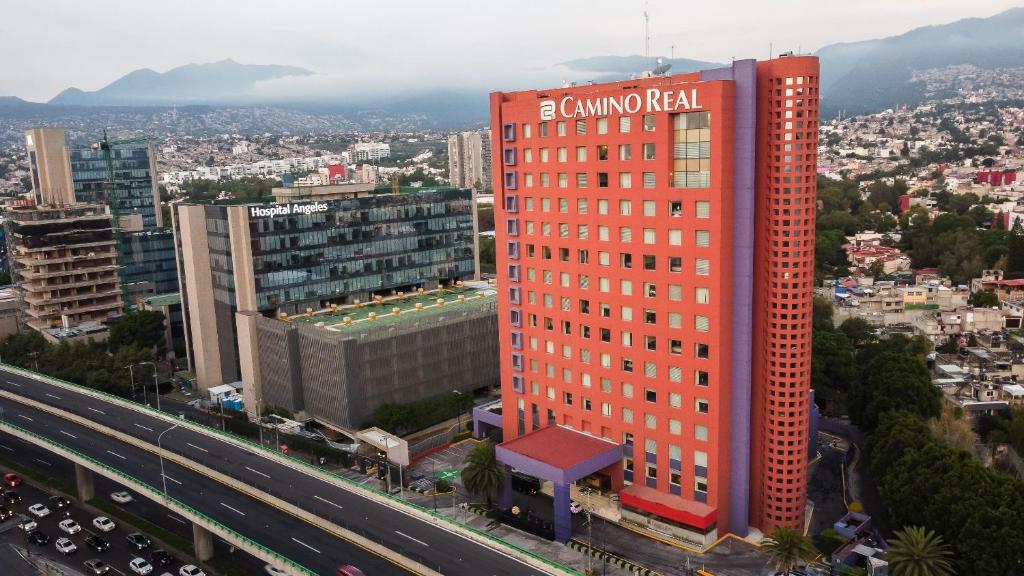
[[164, 300], [383, 311]]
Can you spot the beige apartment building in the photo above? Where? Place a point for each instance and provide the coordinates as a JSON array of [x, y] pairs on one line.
[[65, 261], [469, 160], [49, 166]]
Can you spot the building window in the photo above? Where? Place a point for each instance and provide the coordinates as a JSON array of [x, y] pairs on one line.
[[625, 208], [700, 433], [625, 180], [602, 152], [649, 122], [701, 378], [675, 264], [581, 127], [625, 261], [602, 125], [627, 416], [527, 131], [703, 209], [602, 179], [675, 237], [703, 238], [649, 180], [675, 427], [650, 236], [650, 262], [624, 124], [675, 400], [648, 151], [703, 266], [581, 179], [567, 398], [542, 130], [702, 406], [703, 296], [651, 421], [651, 395], [606, 409], [675, 209], [691, 150], [701, 323], [702, 350], [560, 128], [652, 471], [625, 152], [581, 153], [627, 390]]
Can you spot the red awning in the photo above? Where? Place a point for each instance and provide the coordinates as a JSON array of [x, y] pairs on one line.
[[670, 506]]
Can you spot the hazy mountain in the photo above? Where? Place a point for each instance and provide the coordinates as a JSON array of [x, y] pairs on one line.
[[226, 81], [874, 75]]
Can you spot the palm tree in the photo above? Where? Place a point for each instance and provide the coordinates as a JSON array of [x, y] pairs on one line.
[[788, 548], [483, 474], [916, 551]]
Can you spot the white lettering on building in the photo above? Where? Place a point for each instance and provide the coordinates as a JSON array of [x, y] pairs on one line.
[[651, 100], [286, 209]]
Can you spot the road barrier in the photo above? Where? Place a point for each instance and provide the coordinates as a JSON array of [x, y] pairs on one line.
[[435, 519]]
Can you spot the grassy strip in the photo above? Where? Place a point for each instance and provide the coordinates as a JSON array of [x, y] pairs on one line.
[[180, 544]]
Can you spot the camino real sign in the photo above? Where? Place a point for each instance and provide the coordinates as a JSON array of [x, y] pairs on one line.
[[287, 209], [648, 101]]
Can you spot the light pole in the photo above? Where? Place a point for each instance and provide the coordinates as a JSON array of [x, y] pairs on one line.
[[131, 373], [459, 408], [160, 453], [156, 386]]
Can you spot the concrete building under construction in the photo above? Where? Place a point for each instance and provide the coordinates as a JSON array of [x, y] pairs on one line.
[[65, 260]]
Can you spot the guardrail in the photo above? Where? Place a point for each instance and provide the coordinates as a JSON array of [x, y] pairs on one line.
[[425, 514], [241, 541]]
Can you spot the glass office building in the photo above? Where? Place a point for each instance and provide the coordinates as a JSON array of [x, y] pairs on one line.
[[134, 165]]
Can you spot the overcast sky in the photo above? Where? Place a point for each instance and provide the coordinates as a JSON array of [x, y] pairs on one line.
[[401, 45]]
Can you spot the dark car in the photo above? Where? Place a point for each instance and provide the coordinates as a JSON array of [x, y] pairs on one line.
[[5, 513], [349, 570], [139, 541], [11, 497], [59, 502], [97, 544], [38, 538], [96, 567], [161, 557]]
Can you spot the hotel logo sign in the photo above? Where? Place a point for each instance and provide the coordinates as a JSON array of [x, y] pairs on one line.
[[287, 209], [647, 101]]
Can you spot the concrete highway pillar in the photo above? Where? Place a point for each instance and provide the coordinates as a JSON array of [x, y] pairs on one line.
[[563, 517], [83, 479], [202, 540]]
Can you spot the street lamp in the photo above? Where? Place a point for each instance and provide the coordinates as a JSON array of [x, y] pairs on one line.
[[459, 408], [160, 453], [590, 530], [131, 373], [156, 386]]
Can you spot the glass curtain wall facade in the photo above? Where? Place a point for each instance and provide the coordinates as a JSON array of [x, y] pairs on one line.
[[133, 178]]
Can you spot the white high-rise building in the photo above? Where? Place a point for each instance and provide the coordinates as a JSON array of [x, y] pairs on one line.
[[469, 160]]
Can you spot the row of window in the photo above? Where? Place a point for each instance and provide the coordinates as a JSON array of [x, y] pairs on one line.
[[649, 208], [702, 238], [625, 126]]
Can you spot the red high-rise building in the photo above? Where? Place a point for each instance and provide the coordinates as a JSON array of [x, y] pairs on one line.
[[655, 242]]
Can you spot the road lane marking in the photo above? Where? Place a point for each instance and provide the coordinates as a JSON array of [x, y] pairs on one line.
[[411, 538], [43, 462], [54, 396], [5, 447], [13, 383], [197, 447], [338, 506], [116, 454], [144, 427], [297, 541], [172, 480], [176, 519], [257, 472], [97, 411], [69, 434], [233, 509], [25, 417]]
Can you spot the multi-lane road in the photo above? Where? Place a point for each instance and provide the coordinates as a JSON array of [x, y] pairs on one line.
[[426, 543]]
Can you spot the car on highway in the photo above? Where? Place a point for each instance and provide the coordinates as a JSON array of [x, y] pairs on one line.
[[349, 570], [69, 526], [65, 546], [5, 513], [103, 524], [272, 570], [38, 538], [11, 497], [11, 480], [140, 566], [121, 497], [59, 502], [39, 510], [161, 557], [575, 507], [28, 525], [190, 570], [138, 541], [97, 544], [96, 567]]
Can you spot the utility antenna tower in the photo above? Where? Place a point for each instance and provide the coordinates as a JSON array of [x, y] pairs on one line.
[[647, 33]]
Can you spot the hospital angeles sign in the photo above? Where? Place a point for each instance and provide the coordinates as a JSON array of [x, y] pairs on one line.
[[647, 101]]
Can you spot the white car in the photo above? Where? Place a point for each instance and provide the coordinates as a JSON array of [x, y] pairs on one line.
[[190, 570], [65, 546], [39, 510], [103, 524], [28, 525], [140, 566], [69, 526], [272, 570], [575, 507], [121, 497]]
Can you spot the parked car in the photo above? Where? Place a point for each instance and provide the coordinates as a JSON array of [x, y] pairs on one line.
[[190, 570], [5, 513], [59, 502], [65, 546], [103, 524], [39, 510], [96, 567], [11, 480], [139, 541], [161, 557], [140, 566], [97, 544], [38, 538], [11, 497], [28, 525], [349, 570], [121, 497], [69, 526]]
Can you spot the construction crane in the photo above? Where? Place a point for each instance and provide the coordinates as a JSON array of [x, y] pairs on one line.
[[112, 193]]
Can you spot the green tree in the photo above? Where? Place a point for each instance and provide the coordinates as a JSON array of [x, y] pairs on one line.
[[1015, 251], [487, 255], [916, 551], [821, 314], [483, 474], [143, 328], [982, 299], [832, 370], [892, 375], [858, 330], [788, 548]]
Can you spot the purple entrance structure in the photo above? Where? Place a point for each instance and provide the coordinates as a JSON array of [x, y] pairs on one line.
[[562, 456]]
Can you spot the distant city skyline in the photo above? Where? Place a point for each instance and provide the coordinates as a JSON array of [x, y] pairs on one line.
[[401, 45]]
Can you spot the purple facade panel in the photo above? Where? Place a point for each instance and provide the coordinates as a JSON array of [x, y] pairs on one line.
[[744, 74]]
